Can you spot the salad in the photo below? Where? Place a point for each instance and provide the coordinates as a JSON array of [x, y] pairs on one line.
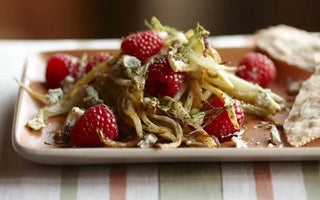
[[164, 89]]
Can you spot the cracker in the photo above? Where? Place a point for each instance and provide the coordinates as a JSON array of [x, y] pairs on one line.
[[290, 45], [303, 123]]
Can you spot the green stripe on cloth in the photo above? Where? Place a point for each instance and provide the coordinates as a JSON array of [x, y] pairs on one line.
[[311, 178], [69, 183], [190, 181]]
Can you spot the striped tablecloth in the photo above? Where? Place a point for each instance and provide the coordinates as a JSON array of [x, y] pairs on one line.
[[21, 179]]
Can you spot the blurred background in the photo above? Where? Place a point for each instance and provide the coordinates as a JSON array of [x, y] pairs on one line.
[[49, 19]]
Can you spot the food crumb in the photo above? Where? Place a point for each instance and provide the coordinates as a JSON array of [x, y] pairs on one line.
[[258, 126], [238, 142], [275, 136], [294, 87], [148, 141]]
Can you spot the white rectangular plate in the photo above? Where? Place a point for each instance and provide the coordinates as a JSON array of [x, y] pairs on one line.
[[31, 145]]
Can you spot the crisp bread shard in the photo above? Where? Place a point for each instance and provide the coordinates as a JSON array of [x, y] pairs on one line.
[[290, 45], [303, 123]]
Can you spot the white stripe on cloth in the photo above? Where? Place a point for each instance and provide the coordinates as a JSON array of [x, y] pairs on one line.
[[20, 179], [238, 181], [93, 182], [30, 182], [287, 181], [142, 182]]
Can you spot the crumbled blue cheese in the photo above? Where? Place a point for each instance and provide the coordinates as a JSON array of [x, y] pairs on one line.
[[73, 116], [131, 64], [92, 97], [148, 141], [67, 83], [177, 65], [54, 95], [238, 142], [270, 145], [275, 136], [37, 122]]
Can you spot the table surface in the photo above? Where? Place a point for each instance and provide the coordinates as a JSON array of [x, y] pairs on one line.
[[21, 179]]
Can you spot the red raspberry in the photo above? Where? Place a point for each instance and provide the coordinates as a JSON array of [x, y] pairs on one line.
[[96, 59], [142, 45], [162, 80], [84, 132], [258, 68], [221, 125], [59, 66]]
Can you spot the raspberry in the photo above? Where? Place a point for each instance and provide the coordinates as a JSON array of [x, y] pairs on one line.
[[58, 67], [162, 80], [257, 68], [142, 45], [96, 59], [221, 125], [84, 132]]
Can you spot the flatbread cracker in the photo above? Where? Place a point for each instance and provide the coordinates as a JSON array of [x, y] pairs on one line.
[[303, 123], [290, 45]]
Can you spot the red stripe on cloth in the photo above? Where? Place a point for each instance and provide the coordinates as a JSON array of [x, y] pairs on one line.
[[118, 177], [262, 177]]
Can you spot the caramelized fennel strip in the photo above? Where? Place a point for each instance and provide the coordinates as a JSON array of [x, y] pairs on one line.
[[206, 95], [96, 71], [36, 95], [200, 140], [112, 143], [213, 90], [122, 81], [177, 129], [197, 93], [189, 101], [131, 112], [163, 132], [181, 92]]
